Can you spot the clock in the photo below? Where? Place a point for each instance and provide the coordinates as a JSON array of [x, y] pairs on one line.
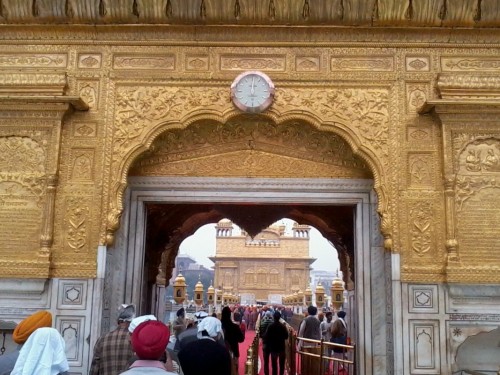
[[252, 92]]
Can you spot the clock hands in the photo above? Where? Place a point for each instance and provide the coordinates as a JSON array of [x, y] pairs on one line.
[[252, 88]]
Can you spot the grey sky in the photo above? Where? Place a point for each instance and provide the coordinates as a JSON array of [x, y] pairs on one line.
[[201, 245]]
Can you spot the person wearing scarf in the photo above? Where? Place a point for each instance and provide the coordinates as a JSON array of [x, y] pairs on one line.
[[42, 354], [205, 355], [21, 333]]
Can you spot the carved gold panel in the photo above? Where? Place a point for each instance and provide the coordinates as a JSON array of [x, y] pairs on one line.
[[417, 94], [421, 170], [417, 64], [276, 63], [341, 110], [197, 63], [362, 63], [89, 61], [470, 64]]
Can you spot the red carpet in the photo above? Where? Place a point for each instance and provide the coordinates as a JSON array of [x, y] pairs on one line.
[[249, 336]]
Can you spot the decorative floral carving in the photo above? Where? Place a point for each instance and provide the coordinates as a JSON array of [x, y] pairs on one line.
[[470, 63], [21, 155], [381, 64], [274, 63], [27, 60], [147, 62], [78, 213], [365, 110], [89, 61], [307, 64], [417, 64], [420, 227], [197, 63], [138, 108], [420, 170]]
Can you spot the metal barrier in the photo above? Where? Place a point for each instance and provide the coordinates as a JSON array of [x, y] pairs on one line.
[[316, 358], [307, 362]]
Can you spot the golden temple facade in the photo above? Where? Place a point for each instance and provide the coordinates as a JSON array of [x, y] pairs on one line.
[[242, 265]]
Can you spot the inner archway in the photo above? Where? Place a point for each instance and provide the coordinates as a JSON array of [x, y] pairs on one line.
[[254, 172]]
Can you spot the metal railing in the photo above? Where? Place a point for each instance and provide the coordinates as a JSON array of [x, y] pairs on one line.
[[316, 360]]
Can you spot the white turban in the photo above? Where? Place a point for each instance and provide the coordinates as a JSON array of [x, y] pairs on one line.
[[210, 324], [140, 319], [42, 354]]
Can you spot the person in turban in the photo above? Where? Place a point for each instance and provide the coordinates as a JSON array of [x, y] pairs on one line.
[[112, 351], [149, 342], [21, 334], [205, 355], [42, 354]]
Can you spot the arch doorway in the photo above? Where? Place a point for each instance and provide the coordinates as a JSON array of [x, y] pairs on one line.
[[163, 208]]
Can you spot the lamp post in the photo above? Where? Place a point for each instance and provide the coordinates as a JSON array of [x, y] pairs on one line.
[[320, 295], [211, 298], [337, 291], [308, 295], [180, 289], [198, 294]]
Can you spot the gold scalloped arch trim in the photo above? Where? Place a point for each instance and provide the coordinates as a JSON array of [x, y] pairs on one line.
[[355, 117]]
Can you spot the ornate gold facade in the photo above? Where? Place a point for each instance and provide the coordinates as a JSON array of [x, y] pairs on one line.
[[83, 107], [242, 265]]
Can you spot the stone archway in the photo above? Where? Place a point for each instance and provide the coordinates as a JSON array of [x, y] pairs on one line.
[[255, 160]]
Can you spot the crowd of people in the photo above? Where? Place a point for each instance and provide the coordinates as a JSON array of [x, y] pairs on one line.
[[190, 345]]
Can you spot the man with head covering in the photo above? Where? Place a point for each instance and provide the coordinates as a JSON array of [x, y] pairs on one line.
[[149, 342], [113, 352], [42, 354], [190, 334], [310, 329], [21, 333], [179, 325], [205, 356]]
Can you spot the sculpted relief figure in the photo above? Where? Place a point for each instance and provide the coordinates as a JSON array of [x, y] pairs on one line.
[[491, 162], [473, 162]]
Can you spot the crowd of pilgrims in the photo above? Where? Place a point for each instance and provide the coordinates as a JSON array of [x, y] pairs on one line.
[[190, 345]]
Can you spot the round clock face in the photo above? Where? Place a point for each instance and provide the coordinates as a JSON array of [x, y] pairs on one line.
[[252, 92]]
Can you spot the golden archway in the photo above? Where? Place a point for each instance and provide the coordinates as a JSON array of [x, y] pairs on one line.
[[357, 116]]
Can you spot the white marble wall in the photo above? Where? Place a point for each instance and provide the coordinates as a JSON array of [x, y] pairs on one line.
[[69, 301], [450, 329]]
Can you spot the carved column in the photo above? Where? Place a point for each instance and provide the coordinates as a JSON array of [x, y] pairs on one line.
[[451, 241], [32, 108]]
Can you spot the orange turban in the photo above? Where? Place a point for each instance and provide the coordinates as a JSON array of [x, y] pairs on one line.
[[24, 329]]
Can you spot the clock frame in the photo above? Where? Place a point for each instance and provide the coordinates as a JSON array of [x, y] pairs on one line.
[[247, 92]]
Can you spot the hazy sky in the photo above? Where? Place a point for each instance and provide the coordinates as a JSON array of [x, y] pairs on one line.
[[201, 245]]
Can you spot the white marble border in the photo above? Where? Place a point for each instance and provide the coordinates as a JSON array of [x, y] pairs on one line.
[[265, 191]]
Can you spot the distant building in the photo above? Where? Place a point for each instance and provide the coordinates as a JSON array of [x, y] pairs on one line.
[[192, 272], [262, 268]]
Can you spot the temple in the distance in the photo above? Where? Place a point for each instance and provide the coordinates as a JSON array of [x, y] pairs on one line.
[[243, 266]]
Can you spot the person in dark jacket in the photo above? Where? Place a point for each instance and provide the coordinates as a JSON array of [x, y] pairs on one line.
[[232, 335], [266, 321], [205, 355], [275, 338]]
